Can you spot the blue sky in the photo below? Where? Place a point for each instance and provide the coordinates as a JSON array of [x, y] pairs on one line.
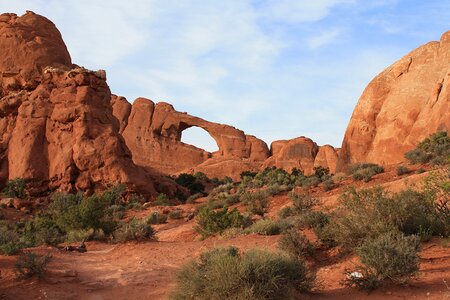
[[276, 69]]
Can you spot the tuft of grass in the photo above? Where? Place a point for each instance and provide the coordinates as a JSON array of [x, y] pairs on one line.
[[30, 264], [256, 274], [390, 256]]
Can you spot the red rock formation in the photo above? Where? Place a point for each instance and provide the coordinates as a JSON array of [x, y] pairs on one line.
[[153, 134], [28, 44], [401, 106], [296, 153], [301, 153], [327, 157], [56, 123]]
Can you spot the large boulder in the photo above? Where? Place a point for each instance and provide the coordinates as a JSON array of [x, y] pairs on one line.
[[401, 106]]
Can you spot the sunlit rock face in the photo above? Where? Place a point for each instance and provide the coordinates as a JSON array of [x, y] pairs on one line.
[[401, 106]]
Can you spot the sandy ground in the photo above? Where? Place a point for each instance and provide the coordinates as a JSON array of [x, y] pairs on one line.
[[147, 270]]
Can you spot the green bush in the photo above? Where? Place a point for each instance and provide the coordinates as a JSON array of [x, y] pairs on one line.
[[191, 199], [269, 227], [390, 256], [256, 274], [30, 264], [312, 219], [296, 244], [365, 171], [156, 218], [10, 242], [435, 149], [15, 188], [210, 222], [302, 202], [191, 182], [369, 213], [162, 200], [134, 230], [402, 170]]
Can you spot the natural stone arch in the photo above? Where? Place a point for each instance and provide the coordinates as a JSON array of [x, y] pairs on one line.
[[187, 131]]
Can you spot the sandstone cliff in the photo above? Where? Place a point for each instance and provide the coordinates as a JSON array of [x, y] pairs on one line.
[[401, 106]]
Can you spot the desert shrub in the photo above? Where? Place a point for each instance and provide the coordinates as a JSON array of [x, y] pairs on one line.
[[258, 206], [30, 264], [247, 174], [15, 188], [312, 219], [10, 242], [287, 212], [176, 214], [256, 274], [268, 177], [302, 202], [269, 227], [365, 171], [326, 235], [191, 199], [360, 214], [402, 170], [162, 200], [328, 185], [156, 218], [42, 229], [420, 171], [79, 235], [134, 230], [114, 195], [191, 182], [322, 173], [222, 199], [94, 214], [369, 213], [339, 177], [435, 149], [296, 244], [390, 256], [210, 222], [223, 188], [310, 182]]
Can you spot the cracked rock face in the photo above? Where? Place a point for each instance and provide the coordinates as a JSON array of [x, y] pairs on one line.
[[401, 106]]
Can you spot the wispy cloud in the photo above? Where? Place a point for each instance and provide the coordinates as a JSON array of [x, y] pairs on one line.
[[299, 11], [325, 37]]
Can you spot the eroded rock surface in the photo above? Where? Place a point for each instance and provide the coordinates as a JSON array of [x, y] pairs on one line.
[[153, 134], [56, 124], [301, 153], [401, 106]]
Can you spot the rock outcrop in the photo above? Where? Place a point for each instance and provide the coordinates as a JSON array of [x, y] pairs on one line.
[[28, 44], [401, 106], [56, 124], [301, 153], [153, 134]]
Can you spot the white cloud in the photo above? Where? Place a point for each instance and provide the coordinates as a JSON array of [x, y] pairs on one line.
[[295, 11], [324, 38]]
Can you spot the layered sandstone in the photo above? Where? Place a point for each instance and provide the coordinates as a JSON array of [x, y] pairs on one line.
[[401, 106]]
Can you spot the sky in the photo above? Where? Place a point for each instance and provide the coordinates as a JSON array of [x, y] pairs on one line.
[[277, 69]]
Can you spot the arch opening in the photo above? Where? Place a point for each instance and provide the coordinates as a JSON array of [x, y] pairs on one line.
[[200, 138]]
